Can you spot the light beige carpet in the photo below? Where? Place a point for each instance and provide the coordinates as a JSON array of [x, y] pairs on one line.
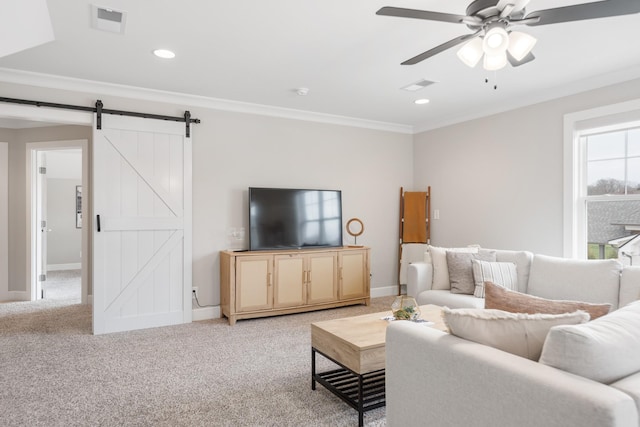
[[54, 372], [62, 284]]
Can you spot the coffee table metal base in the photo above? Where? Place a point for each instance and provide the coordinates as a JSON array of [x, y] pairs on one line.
[[363, 392]]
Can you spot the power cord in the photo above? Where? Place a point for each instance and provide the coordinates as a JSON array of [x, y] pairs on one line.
[[195, 296]]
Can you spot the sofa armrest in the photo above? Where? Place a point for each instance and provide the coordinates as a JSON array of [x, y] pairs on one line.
[[419, 278], [433, 378]]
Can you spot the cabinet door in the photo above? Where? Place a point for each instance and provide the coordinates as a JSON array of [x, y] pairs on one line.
[[322, 283], [289, 288], [353, 274], [254, 290]]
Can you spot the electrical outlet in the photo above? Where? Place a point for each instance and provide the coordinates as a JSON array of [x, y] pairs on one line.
[[194, 291]]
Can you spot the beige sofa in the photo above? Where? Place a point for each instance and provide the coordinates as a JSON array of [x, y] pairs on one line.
[[588, 374]]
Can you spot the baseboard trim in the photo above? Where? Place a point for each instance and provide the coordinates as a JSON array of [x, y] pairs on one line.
[[205, 313], [18, 296], [58, 267], [385, 291]]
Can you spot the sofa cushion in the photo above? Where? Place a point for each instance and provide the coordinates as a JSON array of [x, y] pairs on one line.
[[517, 333], [501, 273], [445, 298], [439, 261], [461, 269], [497, 297], [629, 285], [596, 281], [631, 386], [522, 260], [604, 350]]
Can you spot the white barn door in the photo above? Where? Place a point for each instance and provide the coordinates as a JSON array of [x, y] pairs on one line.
[[141, 224]]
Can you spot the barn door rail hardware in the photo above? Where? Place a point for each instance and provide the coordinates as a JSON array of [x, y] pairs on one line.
[[100, 110]]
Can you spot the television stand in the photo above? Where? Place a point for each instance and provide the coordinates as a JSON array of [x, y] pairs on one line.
[[269, 283]]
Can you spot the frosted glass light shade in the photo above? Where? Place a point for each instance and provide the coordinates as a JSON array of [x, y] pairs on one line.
[[520, 44], [471, 52], [495, 41], [494, 62]]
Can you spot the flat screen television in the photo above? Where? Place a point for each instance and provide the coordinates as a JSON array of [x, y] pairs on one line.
[[287, 218]]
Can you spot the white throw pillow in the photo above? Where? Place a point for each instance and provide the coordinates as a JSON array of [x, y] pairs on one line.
[[604, 350], [439, 261], [501, 273], [517, 333]]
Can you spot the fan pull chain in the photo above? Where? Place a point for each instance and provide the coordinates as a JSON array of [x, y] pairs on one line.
[[495, 78]]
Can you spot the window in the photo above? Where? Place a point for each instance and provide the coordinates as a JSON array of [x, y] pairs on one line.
[[602, 183], [612, 193]]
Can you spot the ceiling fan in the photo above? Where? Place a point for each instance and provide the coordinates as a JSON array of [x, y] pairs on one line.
[[492, 20]]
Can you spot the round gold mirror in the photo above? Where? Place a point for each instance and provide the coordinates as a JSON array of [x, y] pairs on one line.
[[355, 228]]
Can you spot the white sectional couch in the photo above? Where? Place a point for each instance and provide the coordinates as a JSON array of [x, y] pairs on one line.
[[603, 281], [588, 374]]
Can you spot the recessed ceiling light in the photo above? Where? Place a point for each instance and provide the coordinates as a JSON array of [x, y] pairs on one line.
[[164, 53], [421, 101]]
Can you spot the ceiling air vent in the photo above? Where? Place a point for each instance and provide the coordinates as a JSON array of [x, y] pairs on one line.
[[420, 84], [106, 19]]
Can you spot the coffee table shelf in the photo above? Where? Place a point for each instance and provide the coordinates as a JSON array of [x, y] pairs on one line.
[[356, 344], [363, 392]]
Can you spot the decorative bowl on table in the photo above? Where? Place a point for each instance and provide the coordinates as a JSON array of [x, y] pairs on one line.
[[405, 308]]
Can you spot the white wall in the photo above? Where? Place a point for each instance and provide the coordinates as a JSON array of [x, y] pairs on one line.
[[64, 240], [64, 173], [232, 151], [235, 151], [4, 221], [498, 181]]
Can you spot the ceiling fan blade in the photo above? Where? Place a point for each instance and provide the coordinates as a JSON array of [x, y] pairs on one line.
[[436, 50], [422, 14], [580, 12], [514, 62], [518, 5]]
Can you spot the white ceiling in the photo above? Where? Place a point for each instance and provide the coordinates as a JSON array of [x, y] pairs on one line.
[[259, 52]]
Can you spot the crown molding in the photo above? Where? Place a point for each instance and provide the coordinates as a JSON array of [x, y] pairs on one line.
[[550, 94], [8, 75]]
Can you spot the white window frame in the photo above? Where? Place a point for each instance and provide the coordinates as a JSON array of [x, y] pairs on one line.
[[597, 120]]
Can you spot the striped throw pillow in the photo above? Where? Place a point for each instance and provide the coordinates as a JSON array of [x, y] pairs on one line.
[[500, 273]]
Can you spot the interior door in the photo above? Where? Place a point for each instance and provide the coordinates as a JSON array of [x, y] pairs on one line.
[[141, 224], [41, 221]]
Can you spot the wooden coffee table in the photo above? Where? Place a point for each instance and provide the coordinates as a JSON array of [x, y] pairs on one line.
[[356, 344]]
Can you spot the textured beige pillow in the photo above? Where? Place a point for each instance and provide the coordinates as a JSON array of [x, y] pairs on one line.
[[460, 269], [439, 262], [499, 298], [604, 350], [517, 333]]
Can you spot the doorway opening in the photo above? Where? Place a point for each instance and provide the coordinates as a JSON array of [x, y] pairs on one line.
[[20, 286], [59, 242]]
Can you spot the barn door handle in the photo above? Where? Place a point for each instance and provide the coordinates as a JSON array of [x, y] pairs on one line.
[[98, 219]]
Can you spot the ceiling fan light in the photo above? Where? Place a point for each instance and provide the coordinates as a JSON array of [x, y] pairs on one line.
[[471, 53], [520, 44], [495, 40], [494, 62]]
